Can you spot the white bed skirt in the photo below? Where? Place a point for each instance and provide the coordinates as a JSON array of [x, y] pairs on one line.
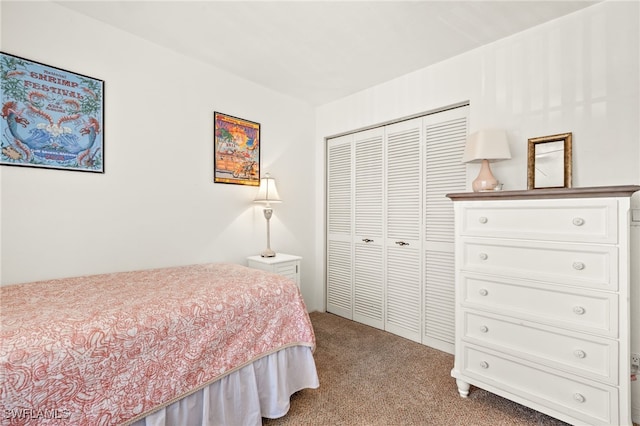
[[244, 397]]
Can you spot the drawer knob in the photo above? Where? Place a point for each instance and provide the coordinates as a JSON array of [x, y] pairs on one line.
[[483, 292], [484, 329], [578, 310], [578, 266], [579, 353], [578, 221], [367, 240], [483, 219], [483, 256], [484, 364], [402, 243], [579, 397]]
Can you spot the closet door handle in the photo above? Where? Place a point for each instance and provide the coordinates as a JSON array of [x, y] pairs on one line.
[[367, 240], [402, 243]]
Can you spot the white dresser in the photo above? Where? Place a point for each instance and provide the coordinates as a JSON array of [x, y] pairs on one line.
[[281, 264], [542, 300]]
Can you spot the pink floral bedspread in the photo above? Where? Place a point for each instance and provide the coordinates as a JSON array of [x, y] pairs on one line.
[[105, 349]]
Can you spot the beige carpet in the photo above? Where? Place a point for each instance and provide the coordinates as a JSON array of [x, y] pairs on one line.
[[370, 377]]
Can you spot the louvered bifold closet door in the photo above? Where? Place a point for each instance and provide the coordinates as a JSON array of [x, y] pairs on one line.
[[339, 227], [403, 219], [445, 135], [368, 221]]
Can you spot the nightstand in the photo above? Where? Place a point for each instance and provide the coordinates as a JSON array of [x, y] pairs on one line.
[[281, 264]]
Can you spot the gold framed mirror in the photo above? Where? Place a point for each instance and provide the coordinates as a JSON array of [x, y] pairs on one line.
[[549, 162]]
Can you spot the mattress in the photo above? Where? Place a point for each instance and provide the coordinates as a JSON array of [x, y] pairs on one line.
[[113, 348]]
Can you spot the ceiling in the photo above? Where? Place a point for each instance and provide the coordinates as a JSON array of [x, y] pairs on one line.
[[319, 51]]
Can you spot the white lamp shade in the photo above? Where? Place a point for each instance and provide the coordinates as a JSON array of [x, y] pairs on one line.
[[489, 144], [268, 193]]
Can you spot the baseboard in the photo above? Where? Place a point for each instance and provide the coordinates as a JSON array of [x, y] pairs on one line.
[[635, 415]]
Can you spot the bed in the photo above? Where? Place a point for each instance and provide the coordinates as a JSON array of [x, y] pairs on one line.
[[218, 344]]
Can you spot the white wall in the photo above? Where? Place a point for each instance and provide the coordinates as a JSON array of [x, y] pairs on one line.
[[575, 74], [156, 204], [578, 74]]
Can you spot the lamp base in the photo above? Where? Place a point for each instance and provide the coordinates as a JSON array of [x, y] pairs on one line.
[[485, 180], [268, 253]]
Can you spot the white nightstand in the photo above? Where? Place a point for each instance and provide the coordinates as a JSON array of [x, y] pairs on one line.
[[282, 264]]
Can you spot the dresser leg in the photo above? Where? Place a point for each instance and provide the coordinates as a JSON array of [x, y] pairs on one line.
[[463, 388]]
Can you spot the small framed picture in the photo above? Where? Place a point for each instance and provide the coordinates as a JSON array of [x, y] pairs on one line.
[[236, 150], [51, 117]]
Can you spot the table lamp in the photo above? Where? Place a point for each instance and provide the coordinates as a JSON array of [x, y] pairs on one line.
[[268, 193], [485, 146]]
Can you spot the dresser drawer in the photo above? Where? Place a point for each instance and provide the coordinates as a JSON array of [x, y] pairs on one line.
[[586, 355], [590, 402], [593, 266], [561, 220], [571, 308], [286, 265], [288, 269]]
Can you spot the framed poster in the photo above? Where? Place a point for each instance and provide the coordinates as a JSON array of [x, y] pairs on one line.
[[50, 117], [236, 150]]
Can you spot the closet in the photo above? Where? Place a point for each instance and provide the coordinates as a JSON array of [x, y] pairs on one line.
[[390, 228]]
